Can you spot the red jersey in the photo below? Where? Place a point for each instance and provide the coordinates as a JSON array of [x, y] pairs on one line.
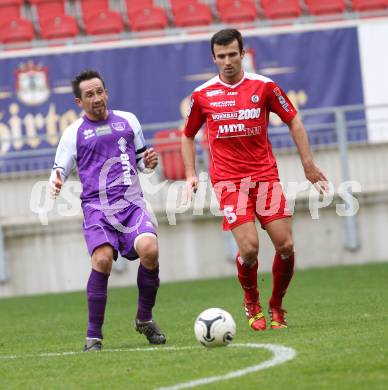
[[236, 119]]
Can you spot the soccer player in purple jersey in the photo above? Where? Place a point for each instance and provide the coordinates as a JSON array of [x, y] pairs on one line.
[[107, 147]]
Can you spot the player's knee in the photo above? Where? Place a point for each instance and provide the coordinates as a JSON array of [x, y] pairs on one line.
[[102, 262], [149, 253], [286, 248], [249, 251]]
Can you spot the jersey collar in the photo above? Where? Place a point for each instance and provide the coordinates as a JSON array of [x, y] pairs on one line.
[[231, 85], [100, 121]]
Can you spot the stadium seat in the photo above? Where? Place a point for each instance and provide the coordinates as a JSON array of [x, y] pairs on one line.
[[319, 7], [149, 18], [192, 14], [168, 144], [16, 30], [13, 3], [222, 4], [179, 3], [103, 22], [281, 9], [134, 6], [91, 6], [59, 27], [48, 9], [236, 11], [369, 5], [9, 10], [10, 3]]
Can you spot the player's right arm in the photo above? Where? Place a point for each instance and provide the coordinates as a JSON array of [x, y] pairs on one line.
[[194, 122], [65, 160], [188, 153]]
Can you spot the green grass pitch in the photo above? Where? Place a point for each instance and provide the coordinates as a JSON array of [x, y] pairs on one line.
[[338, 326]]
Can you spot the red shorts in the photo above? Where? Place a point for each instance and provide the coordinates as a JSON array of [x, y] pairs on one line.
[[241, 202]]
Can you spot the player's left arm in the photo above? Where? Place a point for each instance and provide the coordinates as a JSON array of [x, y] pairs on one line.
[[311, 171], [279, 103]]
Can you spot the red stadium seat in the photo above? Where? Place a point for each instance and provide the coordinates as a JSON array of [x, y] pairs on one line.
[[168, 144], [103, 22], [48, 9], [369, 5], [17, 30], [178, 3], [9, 11], [59, 27], [149, 18], [192, 14], [134, 6], [319, 7], [236, 11], [91, 6], [14, 3], [281, 9], [222, 4]]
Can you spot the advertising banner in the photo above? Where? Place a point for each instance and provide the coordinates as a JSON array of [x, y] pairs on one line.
[[316, 68]]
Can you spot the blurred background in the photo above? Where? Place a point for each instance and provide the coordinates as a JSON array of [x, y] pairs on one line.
[[329, 56]]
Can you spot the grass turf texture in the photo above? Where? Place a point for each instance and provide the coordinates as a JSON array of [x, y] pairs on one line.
[[337, 324]]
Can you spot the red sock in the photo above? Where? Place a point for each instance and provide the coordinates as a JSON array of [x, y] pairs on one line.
[[247, 275], [282, 271]]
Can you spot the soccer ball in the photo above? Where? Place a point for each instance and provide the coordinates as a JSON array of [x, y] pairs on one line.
[[214, 327]]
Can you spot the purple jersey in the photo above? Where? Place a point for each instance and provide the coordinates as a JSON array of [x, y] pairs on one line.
[[107, 154]]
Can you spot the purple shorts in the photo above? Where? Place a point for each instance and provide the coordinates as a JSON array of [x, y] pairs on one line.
[[120, 230]]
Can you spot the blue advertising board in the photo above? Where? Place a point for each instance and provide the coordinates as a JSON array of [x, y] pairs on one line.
[[316, 69]]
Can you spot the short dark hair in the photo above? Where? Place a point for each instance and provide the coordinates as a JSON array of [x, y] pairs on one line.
[[225, 37], [82, 76]]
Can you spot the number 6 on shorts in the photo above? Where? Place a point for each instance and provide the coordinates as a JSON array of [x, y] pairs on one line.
[[230, 215]]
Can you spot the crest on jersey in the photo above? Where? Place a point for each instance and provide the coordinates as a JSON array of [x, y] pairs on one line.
[[255, 99], [32, 86], [118, 126]]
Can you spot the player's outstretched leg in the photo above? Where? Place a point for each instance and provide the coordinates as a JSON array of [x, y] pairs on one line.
[[282, 272], [148, 284], [247, 275], [97, 297]]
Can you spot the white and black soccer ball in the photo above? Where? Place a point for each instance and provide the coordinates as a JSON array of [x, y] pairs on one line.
[[214, 327]]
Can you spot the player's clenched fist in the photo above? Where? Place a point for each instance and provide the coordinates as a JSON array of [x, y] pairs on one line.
[[150, 158], [56, 184]]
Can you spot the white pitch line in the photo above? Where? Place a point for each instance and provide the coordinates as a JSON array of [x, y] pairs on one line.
[[281, 354], [60, 354]]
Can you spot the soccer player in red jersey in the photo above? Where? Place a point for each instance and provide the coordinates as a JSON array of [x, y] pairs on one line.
[[235, 106]]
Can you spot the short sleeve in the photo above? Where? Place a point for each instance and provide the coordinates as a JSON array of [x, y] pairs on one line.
[[279, 103], [195, 117], [66, 154]]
